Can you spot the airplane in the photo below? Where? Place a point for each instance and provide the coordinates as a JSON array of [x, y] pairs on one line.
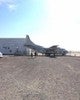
[[51, 51]]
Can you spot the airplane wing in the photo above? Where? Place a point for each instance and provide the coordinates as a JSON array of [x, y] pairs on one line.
[[54, 47]]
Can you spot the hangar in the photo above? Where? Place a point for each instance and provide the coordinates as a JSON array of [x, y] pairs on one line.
[[13, 46]]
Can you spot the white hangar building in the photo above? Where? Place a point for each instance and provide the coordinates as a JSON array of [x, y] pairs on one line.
[[14, 46]]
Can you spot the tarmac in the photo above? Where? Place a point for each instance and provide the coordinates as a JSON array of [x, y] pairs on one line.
[[39, 78]]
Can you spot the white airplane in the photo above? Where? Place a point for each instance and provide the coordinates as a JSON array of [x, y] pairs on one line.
[[51, 51]]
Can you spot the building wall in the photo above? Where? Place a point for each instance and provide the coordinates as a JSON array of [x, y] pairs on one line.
[[74, 53], [13, 46]]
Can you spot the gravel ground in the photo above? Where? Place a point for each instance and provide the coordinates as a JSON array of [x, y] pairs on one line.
[[40, 78]]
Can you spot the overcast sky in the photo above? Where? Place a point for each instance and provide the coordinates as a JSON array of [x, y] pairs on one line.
[[48, 22]]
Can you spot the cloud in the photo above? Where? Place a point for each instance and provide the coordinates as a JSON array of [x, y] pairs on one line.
[[12, 7], [10, 4], [6, 1]]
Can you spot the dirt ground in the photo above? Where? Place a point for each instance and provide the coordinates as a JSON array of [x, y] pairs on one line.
[[40, 78]]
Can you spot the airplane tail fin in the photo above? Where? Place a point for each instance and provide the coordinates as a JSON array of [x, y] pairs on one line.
[[28, 41], [27, 37], [32, 45]]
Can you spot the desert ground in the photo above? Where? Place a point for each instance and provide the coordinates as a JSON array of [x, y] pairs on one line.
[[40, 78]]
